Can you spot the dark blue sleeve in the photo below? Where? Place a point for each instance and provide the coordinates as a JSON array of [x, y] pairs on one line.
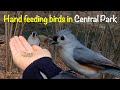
[[44, 65]]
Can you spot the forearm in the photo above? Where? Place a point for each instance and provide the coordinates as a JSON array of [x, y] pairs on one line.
[[44, 65]]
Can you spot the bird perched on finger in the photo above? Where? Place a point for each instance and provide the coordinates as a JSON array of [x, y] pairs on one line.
[[82, 59], [33, 39]]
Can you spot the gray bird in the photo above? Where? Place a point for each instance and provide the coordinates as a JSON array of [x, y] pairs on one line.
[[33, 39], [80, 58]]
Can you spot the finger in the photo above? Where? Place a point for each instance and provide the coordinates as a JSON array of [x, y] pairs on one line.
[[47, 53], [19, 44], [25, 43], [35, 47], [12, 46]]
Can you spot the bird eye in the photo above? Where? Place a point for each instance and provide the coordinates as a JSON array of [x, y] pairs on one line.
[[62, 38]]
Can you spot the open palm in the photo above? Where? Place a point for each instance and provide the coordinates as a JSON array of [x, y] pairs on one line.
[[24, 54]]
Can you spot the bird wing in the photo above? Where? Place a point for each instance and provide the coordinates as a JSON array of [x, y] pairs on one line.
[[91, 60], [87, 56]]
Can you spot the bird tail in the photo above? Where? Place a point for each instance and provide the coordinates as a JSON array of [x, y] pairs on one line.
[[114, 70]]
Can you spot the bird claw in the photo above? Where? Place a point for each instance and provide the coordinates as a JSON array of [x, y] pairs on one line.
[[66, 71]]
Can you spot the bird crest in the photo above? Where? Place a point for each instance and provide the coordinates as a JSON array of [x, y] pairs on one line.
[[64, 31]]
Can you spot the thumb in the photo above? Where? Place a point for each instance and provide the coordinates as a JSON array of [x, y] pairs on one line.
[[35, 47]]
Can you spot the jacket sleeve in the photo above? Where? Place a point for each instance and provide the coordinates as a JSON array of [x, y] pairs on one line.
[[45, 65]]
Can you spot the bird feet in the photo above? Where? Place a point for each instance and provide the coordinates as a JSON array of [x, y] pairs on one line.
[[66, 71]]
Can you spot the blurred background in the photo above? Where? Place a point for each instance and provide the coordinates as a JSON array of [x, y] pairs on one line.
[[101, 37]]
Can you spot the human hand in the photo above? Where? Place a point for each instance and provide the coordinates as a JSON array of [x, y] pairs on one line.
[[24, 54]]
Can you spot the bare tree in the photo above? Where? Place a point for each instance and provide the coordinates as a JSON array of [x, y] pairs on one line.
[[11, 29]]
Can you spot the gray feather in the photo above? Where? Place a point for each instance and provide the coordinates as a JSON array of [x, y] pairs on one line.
[[87, 56], [113, 72], [64, 32]]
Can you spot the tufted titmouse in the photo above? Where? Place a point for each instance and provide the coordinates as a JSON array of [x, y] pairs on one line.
[[33, 39], [80, 58]]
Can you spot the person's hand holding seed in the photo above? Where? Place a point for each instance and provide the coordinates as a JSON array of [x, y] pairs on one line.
[[24, 54]]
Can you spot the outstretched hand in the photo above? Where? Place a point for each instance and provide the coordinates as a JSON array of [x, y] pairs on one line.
[[24, 54]]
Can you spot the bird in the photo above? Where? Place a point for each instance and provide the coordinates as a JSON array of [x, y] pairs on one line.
[[81, 59], [33, 39]]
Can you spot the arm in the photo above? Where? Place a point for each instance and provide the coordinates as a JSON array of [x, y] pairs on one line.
[[32, 59], [44, 65]]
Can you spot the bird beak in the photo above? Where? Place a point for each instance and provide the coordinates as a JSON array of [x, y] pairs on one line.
[[54, 41]]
